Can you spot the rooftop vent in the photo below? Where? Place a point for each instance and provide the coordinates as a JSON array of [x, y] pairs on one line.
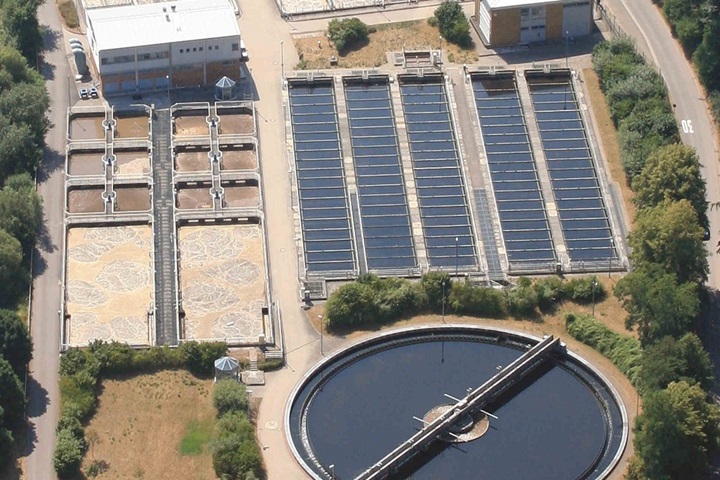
[[172, 7], [167, 17], [164, 9]]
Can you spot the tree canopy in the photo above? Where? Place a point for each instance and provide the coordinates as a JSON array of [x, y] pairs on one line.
[[657, 304], [672, 173], [347, 33], [453, 24], [229, 395], [12, 395], [15, 343], [676, 431], [670, 360], [669, 235], [21, 210]]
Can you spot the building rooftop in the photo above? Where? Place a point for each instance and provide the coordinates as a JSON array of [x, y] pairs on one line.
[[160, 23], [498, 4]]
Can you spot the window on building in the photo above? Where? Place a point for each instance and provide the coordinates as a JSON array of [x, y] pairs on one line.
[[217, 47], [235, 47], [201, 49], [181, 50], [194, 49]]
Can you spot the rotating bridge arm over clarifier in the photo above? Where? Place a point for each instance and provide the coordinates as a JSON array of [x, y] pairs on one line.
[[474, 401]]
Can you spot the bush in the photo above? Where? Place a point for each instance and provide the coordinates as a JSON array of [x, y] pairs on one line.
[[199, 358], [523, 299], [453, 24], [624, 351], [465, 299], [549, 292], [75, 360], [229, 396], [347, 33], [78, 396], [585, 290], [270, 364], [235, 451], [68, 454]]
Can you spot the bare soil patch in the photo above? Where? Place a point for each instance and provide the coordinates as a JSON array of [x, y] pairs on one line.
[[141, 422], [315, 50], [608, 137]]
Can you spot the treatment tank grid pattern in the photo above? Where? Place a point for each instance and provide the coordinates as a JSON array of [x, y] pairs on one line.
[[383, 203], [583, 215], [438, 178], [512, 167], [323, 199]]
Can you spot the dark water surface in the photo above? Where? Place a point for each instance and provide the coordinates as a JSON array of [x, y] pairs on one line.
[[551, 427]]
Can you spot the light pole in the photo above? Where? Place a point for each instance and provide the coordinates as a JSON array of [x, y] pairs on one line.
[[457, 239], [594, 286], [282, 60], [444, 280], [332, 471], [567, 41], [320, 317]]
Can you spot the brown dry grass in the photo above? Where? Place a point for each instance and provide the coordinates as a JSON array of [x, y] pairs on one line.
[[315, 50], [69, 13], [140, 422], [608, 137]]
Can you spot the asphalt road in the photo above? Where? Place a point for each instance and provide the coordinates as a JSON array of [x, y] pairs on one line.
[[44, 400], [691, 111]]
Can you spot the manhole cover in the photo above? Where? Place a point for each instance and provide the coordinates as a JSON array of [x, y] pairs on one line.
[[271, 425]]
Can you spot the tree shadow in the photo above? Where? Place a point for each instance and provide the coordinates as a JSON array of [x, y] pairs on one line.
[[52, 161], [38, 398], [51, 41]]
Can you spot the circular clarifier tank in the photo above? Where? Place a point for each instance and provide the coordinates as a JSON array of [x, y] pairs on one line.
[[561, 421]]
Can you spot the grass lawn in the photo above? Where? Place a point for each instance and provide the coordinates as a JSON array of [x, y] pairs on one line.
[[154, 427], [315, 50], [197, 436]]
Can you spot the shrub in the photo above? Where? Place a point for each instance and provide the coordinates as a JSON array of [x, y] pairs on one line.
[[523, 299], [585, 290], [432, 287], [75, 359], [549, 291], [624, 351], [229, 396], [235, 451], [349, 304], [465, 299], [71, 424], [453, 24], [68, 454], [78, 395], [270, 364], [199, 358], [157, 358], [347, 33]]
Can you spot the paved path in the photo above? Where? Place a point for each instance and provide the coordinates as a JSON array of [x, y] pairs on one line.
[[45, 326]]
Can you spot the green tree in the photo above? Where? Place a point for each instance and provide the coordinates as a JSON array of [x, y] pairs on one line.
[[6, 441], [21, 23], [453, 24], [349, 304], [347, 33], [27, 103], [68, 454], [14, 69], [657, 304], [670, 360], [229, 396], [21, 210], [707, 55], [18, 150], [200, 357], [676, 432], [15, 343], [12, 396], [13, 277], [669, 235], [672, 173], [234, 449]]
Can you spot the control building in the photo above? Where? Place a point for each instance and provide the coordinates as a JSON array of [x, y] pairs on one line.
[[156, 46], [511, 22]]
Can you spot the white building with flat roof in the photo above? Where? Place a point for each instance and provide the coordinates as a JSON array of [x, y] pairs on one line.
[[155, 46], [512, 22]]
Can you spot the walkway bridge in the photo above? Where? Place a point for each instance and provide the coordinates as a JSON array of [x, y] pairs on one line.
[[473, 402]]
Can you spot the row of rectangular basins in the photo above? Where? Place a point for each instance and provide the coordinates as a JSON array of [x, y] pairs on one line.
[[190, 196], [92, 162], [195, 122], [197, 158], [90, 126]]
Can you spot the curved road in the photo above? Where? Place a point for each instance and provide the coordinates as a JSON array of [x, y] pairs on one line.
[[44, 399], [642, 20]]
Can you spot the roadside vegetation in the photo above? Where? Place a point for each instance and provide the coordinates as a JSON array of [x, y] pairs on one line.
[[662, 295], [696, 24], [23, 124]]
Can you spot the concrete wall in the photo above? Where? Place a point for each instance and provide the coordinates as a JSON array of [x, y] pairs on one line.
[[554, 22], [505, 27]]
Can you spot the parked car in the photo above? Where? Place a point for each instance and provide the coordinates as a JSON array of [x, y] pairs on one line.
[[94, 92], [84, 93]]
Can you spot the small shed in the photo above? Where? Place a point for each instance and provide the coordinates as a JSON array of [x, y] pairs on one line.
[[225, 89], [226, 367]]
